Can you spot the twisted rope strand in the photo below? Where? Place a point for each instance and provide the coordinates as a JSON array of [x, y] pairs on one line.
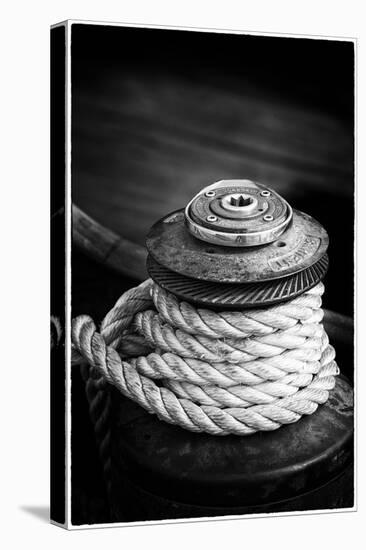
[[167, 338], [220, 373], [236, 324]]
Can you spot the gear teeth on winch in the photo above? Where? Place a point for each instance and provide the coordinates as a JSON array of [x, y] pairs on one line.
[[235, 295]]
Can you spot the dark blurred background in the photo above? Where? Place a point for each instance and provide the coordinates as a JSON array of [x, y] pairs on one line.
[[159, 114]]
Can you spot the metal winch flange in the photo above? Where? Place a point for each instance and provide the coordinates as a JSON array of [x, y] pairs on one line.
[[271, 252]]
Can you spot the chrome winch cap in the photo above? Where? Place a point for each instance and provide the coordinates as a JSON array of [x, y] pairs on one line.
[[237, 244], [237, 213]]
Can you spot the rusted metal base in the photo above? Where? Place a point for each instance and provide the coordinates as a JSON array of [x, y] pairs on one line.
[[161, 471], [220, 274], [171, 245]]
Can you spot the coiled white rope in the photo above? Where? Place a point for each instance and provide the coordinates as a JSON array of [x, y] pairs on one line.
[[215, 372]]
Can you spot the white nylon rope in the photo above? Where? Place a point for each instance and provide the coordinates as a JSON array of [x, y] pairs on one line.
[[216, 372]]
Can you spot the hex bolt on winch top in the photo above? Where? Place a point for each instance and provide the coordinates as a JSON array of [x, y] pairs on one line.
[[237, 244]]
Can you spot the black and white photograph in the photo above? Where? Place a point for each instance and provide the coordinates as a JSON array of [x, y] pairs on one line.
[[207, 211]]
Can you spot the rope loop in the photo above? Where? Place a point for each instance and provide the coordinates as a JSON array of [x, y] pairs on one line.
[[230, 372]]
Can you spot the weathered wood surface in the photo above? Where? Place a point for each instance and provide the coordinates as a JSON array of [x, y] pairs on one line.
[[142, 149]]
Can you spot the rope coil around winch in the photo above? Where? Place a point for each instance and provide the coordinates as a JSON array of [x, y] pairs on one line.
[[222, 372]]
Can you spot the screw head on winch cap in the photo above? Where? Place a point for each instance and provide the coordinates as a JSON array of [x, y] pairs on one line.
[[237, 244]]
